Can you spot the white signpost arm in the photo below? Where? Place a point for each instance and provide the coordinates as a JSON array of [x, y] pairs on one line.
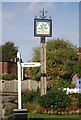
[[19, 79], [30, 64]]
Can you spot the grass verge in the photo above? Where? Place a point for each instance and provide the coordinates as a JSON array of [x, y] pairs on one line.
[[36, 116]]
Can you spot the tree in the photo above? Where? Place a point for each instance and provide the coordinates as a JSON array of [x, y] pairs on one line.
[[9, 51], [61, 59]]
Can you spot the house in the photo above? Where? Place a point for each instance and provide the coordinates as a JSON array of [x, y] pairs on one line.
[[8, 67], [79, 53], [78, 83], [75, 79]]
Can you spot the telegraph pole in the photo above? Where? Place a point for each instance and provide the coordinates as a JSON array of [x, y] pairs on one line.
[[42, 29]]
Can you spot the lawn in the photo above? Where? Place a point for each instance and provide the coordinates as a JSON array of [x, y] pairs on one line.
[[37, 116]]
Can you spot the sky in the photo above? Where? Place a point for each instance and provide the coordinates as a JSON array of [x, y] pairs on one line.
[[18, 23]]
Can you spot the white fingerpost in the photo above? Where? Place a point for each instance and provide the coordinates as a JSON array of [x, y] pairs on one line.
[[22, 72], [19, 79], [31, 64]]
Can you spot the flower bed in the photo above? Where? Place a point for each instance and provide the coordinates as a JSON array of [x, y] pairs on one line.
[[56, 102], [60, 111]]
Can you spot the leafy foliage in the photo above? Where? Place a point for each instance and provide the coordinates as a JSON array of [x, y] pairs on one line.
[[11, 76], [60, 83], [9, 51], [30, 96], [9, 108], [79, 98], [55, 98], [61, 58]]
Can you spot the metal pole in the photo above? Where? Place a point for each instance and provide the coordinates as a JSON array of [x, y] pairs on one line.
[[43, 66], [19, 79]]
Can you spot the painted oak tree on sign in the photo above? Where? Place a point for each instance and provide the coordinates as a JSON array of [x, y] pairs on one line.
[[43, 26]]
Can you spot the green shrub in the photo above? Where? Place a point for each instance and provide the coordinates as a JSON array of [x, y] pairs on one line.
[[30, 96], [9, 108], [79, 98], [55, 98], [75, 100], [33, 107], [9, 76]]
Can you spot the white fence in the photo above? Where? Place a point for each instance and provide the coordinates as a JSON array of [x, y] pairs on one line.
[[75, 90]]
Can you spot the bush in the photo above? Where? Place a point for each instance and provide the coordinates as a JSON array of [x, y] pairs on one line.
[[30, 100], [54, 99], [75, 100], [33, 107], [9, 108], [79, 98], [30, 96], [9, 76]]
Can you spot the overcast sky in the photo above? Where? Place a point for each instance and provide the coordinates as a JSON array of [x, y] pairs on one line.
[[18, 23]]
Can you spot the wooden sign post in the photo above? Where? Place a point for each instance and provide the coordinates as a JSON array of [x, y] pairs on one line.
[[43, 28]]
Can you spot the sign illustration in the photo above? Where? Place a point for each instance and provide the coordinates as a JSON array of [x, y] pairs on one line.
[[43, 27]]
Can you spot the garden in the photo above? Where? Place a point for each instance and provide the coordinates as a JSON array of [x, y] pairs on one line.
[[61, 64], [55, 103]]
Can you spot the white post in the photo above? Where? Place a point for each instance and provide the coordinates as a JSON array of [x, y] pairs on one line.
[[19, 79], [22, 73]]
